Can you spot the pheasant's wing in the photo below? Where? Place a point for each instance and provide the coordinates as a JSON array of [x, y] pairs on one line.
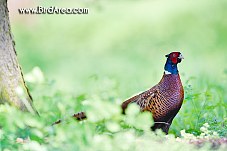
[[153, 101], [144, 99]]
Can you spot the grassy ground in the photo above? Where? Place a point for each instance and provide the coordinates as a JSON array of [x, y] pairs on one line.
[[94, 62]]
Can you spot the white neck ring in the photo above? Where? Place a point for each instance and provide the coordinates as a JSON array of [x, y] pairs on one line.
[[167, 72]]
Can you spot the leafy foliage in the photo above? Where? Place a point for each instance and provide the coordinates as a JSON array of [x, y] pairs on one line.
[[106, 128]]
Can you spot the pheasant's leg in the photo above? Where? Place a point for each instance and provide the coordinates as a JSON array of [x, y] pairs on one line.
[[164, 126], [167, 126]]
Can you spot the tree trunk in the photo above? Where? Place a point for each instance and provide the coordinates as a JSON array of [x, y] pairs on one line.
[[12, 86]]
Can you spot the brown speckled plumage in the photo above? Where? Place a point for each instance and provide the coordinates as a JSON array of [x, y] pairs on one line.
[[164, 100]]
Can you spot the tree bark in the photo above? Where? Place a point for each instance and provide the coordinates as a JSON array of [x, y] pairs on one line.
[[12, 86]]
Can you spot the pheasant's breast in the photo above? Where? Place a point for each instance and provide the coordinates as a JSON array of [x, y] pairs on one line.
[[170, 97]]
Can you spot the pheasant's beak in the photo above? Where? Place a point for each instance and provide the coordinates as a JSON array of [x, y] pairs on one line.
[[181, 56]]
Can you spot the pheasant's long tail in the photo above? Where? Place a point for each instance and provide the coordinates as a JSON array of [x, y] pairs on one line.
[[80, 116]]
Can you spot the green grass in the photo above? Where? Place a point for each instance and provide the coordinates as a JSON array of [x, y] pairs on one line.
[[94, 62], [106, 128]]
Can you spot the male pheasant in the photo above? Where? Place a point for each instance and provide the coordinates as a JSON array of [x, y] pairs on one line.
[[164, 100]]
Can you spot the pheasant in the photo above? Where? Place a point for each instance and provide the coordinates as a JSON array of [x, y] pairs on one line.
[[164, 100]]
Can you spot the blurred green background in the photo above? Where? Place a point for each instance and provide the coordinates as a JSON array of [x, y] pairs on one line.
[[121, 45], [124, 40]]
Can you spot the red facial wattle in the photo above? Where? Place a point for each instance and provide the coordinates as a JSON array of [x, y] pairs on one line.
[[174, 56], [174, 60]]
